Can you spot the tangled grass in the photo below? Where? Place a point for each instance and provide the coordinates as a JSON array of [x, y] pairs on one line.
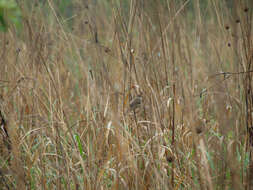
[[67, 80]]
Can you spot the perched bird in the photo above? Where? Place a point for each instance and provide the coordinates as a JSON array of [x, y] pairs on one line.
[[135, 103]]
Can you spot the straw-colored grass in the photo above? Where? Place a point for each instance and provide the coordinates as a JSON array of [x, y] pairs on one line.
[[67, 80]]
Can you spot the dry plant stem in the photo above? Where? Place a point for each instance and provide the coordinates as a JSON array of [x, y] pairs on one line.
[[173, 133], [172, 8], [163, 46], [204, 161], [128, 47], [235, 175], [200, 178], [246, 29], [68, 95], [16, 163], [122, 56]]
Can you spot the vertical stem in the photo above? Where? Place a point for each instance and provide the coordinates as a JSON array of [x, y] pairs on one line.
[[174, 93], [173, 132]]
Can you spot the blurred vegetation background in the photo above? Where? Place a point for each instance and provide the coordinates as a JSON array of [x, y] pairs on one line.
[[126, 94]]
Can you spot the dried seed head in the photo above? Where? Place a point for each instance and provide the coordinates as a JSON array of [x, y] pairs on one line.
[[198, 130], [137, 89], [169, 159], [246, 9], [237, 20], [107, 50], [227, 27]]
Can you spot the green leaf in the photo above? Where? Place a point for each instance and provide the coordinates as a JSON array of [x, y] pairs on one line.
[[80, 146], [9, 14], [3, 26]]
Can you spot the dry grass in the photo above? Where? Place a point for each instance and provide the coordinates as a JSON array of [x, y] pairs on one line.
[[66, 82]]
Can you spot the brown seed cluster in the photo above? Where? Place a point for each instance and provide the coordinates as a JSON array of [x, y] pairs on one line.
[[198, 130], [169, 159]]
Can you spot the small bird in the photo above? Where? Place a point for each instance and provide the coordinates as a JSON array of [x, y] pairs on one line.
[[135, 103]]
